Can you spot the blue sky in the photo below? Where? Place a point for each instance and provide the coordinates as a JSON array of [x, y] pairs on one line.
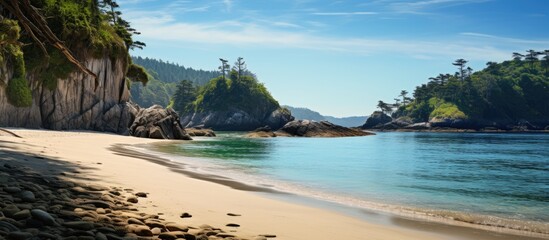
[[338, 57]]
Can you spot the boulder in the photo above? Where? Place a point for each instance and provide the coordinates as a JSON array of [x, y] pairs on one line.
[[418, 126], [158, 123], [376, 120], [459, 123], [307, 128], [237, 120], [200, 132]]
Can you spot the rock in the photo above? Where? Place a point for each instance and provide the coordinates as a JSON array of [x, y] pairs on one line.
[[141, 194], [7, 227], [172, 235], [233, 215], [418, 126], [10, 210], [377, 119], [224, 235], [232, 225], [268, 235], [75, 102], [235, 119], [80, 225], [157, 122], [262, 132], [21, 215], [139, 230], [186, 215], [97, 203], [307, 128], [100, 236], [19, 236], [459, 123], [132, 199], [12, 189], [176, 227], [43, 216], [200, 132], [135, 221], [156, 231], [27, 196]]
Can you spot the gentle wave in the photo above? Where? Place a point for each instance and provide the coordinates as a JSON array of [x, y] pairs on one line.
[[493, 223]]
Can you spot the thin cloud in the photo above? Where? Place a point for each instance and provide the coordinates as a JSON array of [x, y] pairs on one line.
[[343, 13], [258, 35], [228, 5], [505, 39]]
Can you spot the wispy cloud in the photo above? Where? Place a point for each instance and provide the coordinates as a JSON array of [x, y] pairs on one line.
[[418, 7], [252, 34], [343, 13], [228, 5], [506, 39]]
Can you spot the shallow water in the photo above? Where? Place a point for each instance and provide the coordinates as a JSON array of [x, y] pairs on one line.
[[468, 176]]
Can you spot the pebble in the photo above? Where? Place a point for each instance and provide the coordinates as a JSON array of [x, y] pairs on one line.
[[186, 215], [141, 194], [233, 214], [132, 200], [176, 227], [81, 225], [12, 189], [27, 196], [19, 236], [232, 225], [22, 215], [139, 230], [43, 216], [10, 210]]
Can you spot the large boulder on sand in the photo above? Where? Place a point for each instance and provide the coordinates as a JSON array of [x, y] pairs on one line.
[[159, 123], [307, 128]]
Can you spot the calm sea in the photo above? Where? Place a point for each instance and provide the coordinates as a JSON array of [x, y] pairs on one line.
[[488, 179]]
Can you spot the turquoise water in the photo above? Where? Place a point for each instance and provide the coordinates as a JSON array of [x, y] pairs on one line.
[[489, 175]]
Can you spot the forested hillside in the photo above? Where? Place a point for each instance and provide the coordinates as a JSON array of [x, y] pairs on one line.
[[173, 73], [163, 78], [508, 93]]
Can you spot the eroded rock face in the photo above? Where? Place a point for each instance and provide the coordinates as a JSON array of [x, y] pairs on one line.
[[74, 103], [236, 120], [307, 128], [158, 123]]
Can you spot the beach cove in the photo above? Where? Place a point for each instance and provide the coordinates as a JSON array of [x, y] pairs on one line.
[[172, 193]]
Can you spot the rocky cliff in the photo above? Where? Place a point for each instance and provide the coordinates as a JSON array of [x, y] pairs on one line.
[[74, 103]]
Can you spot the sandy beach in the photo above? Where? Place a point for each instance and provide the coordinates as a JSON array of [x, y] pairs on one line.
[[171, 193]]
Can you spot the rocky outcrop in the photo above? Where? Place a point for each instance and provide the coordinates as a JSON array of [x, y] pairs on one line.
[[236, 120], [376, 120], [262, 132], [307, 128], [75, 103], [158, 123], [200, 132]]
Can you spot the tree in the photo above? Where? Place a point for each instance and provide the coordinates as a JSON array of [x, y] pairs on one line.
[[184, 97], [397, 102], [517, 56], [546, 61], [37, 29], [240, 67], [531, 57], [384, 107], [405, 99], [224, 67], [460, 63]]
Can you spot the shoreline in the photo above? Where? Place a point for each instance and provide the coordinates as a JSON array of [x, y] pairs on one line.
[[173, 192], [437, 219]]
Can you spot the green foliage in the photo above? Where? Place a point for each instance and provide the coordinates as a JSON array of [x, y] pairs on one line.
[[19, 93], [246, 94], [509, 91], [156, 92], [173, 73], [9, 31], [137, 73], [184, 97], [444, 109]]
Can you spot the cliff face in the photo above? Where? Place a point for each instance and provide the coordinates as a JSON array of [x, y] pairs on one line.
[[74, 103]]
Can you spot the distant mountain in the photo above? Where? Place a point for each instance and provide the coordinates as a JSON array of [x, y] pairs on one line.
[[305, 113]]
